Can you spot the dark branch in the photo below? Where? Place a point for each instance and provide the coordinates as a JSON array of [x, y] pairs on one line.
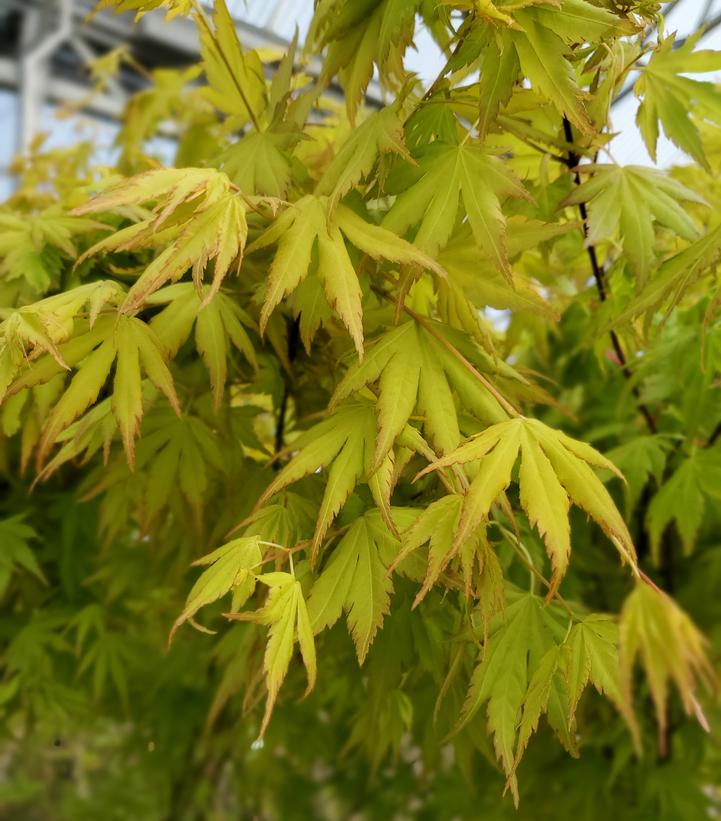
[[600, 277]]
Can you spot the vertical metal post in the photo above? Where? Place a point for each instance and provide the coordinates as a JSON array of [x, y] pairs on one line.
[[39, 39]]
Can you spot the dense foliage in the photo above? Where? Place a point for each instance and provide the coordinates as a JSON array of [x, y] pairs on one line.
[[412, 412]]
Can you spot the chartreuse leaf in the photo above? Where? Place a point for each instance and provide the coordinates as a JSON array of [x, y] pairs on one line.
[[236, 83], [196, 219], [542, 52], [218, 323], [142, 7], [590, 655], [480, 280], [554, 469], [259, 163], [359, 36], [132, 346], [355, 580], [45, 325], [436, 526], [628, 199], [415, 372], [682, 499], [674, 277], [670, 647], [675, 101], [16, 553], [137, 351], [639, 459], [344, 444], [381, 133], [520, 637], [445, 175], [33, 247], [231, 567], [307, 224], [286, 615]]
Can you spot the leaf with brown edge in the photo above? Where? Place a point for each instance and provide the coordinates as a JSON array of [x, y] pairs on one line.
[[671, 649], [554, 469], [286, 615]]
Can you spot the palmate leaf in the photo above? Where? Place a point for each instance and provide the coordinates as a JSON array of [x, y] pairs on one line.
[[307, 224], [519, 640], [176, 459], [416, 373], [44, 325], [628, 199], [15, 538], [359, 36], [671, 649], [676, 101], [682, 499], [381, 133], [197, 218], [232, 567], [218, 323], [236, 82], [554, 472], [32, 247], [132, 346], [472, 271], [259, 163], [590, 655], [431, 195], [344, 444], [286, 614], [356, 580], [436, 525], [674, 277]]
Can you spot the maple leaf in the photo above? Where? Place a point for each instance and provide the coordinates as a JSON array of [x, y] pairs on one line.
[[590, 655], [431, 196], [682, 498], [16, 536], [286, 615], [307, 224], [259, 163], [436, 525], [229, 568], [44, 325], [671, 649], [213, 228], [674, 100], [236, 82], [471, 269], [554, 471], [520, 638], [639, 459], [142, 7], [218, 323], [415, 371], [356, 580], [32, 247], [132, 346], [382, 132], [674, 277], [359, 36], [629, 199], [344, 444]]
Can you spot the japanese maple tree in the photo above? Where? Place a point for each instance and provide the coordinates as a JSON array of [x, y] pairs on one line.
[[411, 411]]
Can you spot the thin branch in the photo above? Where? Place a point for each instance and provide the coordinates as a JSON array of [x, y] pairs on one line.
[[293, 340], [599, 276]]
